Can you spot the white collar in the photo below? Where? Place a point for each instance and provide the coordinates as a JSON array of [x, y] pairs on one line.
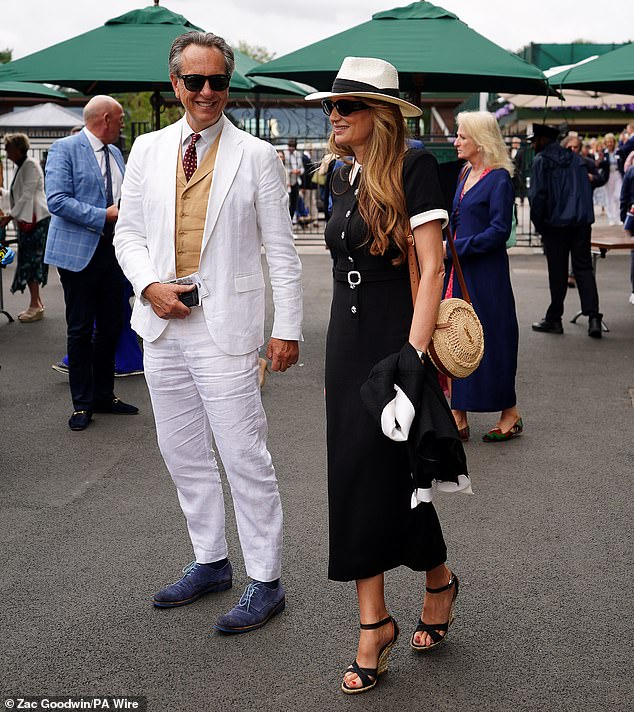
[[96, 143], [354, 171], [208, 135]]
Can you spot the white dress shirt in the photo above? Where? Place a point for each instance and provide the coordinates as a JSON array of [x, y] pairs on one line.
[[204, 143], [117, 176]]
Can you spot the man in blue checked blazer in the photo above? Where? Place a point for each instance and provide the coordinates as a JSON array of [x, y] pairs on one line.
[[84, 173]]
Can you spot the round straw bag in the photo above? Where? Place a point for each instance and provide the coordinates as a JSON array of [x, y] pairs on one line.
[[457, 344]]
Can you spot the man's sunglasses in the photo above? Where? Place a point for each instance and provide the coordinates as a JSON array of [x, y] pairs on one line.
[[196, 82], [344, 107]]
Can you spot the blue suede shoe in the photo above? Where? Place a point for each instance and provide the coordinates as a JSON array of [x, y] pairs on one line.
[[256, 607], [198, 580]]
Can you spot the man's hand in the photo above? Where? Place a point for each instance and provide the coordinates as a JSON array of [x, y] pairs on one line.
[[112, 213], [5, 220], [282, 354], [164, 299]]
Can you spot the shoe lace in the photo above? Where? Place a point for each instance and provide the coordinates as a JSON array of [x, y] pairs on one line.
[[189, 568], [249, 591]]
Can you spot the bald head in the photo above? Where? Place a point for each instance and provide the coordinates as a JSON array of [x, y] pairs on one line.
[[103, 117]]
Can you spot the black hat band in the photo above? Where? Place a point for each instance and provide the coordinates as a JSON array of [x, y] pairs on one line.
[[344, 86]]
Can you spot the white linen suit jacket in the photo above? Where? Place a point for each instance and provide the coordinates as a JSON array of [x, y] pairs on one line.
[[247, 208]]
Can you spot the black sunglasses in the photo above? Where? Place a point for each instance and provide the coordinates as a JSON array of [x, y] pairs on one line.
[[196, 82], [344, 107]]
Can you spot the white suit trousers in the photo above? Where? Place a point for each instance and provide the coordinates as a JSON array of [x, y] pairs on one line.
[[198, 391]]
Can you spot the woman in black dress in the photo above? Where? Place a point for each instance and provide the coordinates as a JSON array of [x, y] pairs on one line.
[[383, 193]]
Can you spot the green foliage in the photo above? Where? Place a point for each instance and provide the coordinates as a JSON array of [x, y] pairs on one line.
[[138, 109], [256, 52], [6, 55]]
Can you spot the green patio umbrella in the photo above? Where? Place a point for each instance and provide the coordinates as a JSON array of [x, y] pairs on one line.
[[431, 48], [262, 86], [30, 89], [612, 72], [128, 53]]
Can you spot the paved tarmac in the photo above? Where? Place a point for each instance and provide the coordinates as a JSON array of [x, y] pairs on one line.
[[91, 528]]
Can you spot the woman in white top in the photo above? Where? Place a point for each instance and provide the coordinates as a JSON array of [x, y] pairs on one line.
[[27, 208], [613, 186]]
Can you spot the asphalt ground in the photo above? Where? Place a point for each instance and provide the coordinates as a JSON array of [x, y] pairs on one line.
[[91, 528]]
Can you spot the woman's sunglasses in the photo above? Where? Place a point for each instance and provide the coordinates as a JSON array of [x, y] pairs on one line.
[[344, 107], [196, 82]]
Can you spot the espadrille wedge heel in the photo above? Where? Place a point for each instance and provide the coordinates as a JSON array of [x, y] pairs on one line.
[[434, 630], [369, 677]]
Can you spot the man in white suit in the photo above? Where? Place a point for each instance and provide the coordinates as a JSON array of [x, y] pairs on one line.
[[199, 199]]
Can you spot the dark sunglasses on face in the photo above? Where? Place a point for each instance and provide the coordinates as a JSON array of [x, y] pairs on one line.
[[344, 107], [196, 82]]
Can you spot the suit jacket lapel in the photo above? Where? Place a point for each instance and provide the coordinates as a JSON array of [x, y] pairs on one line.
[[119, 159], [169, 156], [91, 159], [227, 161]]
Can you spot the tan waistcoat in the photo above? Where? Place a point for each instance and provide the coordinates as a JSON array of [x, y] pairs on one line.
[[191, 210]]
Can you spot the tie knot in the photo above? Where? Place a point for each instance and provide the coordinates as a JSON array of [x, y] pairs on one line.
[[195, 137], [104, 148]]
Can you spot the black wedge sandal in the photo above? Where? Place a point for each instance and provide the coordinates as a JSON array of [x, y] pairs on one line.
[[370, 676], [433, 630]]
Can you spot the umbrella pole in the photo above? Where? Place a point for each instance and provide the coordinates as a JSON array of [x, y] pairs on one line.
[[157, 102], [416, 96], [258, 106]]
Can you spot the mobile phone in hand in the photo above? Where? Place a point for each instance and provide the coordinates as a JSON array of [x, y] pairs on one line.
[[190, 299]]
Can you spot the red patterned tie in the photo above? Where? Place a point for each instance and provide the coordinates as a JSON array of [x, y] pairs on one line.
[[190, 161]]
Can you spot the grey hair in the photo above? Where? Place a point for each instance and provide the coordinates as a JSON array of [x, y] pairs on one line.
[[202, 39], [19, 141]]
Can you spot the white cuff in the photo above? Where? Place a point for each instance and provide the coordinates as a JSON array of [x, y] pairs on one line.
[[426, 495], [397, 416], [428, 216]]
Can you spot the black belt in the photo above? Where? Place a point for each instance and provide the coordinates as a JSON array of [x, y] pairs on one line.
[[354, 277]]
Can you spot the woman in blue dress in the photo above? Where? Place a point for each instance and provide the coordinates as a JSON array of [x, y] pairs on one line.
[[481, 224]]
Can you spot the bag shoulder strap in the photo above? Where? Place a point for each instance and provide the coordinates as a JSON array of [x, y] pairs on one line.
[[414, 272]]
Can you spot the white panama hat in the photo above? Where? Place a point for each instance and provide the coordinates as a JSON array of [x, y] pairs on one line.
[[369, 78]]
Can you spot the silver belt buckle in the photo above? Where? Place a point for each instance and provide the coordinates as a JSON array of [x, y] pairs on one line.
[[354, 275]]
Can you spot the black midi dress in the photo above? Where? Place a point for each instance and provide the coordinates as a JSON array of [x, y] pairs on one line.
[[372, 527]]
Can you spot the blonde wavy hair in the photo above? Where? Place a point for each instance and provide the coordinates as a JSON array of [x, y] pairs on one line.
[[381, 193], [483, 129]]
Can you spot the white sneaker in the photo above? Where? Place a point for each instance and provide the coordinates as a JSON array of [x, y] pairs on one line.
[[631, 299]]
